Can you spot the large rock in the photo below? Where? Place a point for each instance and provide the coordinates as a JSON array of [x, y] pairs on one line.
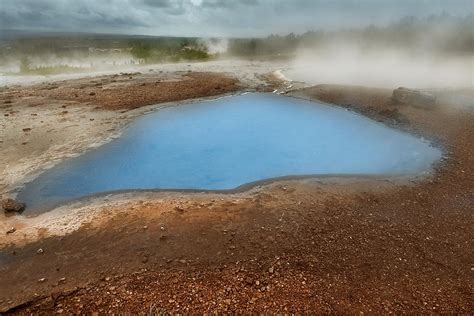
[[413, 97], [10, 206]]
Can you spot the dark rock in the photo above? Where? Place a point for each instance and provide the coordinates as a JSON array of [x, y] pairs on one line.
[[10, 205], [11, 230], [413, 97]]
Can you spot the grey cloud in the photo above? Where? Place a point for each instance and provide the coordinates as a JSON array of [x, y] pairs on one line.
[[218, 4], [157, 3], [213, 17], [173, 7], [67, 15]]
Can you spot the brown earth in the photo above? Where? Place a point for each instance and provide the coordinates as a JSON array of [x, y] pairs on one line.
[[369, 245], [132, 90]]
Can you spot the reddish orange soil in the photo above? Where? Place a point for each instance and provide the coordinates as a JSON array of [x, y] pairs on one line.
[[130, 91], [338, 246]]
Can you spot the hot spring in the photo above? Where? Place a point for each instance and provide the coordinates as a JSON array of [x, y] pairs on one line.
[[226, 143]]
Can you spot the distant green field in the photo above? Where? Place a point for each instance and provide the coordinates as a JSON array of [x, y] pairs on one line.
[[51, 70]]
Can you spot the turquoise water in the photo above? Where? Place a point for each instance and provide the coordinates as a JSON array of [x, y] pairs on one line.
[[225, 143]]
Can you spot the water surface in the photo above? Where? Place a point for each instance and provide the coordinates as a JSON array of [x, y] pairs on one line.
[[225, 143]]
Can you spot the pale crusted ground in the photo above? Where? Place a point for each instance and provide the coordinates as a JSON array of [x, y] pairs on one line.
[[45, 123]]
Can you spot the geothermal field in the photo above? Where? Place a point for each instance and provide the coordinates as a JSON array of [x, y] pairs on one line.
[[246, 161]]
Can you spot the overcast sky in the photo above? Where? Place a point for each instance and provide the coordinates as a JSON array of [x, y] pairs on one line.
[[213, 17]]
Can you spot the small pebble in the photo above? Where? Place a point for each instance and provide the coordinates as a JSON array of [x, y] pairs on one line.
[[11, 230]]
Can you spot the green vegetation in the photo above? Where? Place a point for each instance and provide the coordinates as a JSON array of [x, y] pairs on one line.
[[27, 69], [53, 70], [159, 50], [192, 54], [272, 47], [25, 64], [141, 51]]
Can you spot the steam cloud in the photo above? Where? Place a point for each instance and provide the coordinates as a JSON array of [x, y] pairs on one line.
[[349, 64]]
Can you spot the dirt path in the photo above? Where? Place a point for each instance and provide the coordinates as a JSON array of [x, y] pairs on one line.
[[333, 245]]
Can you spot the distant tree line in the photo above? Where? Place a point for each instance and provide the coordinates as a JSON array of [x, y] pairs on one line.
[[157, 50], [436, 34]]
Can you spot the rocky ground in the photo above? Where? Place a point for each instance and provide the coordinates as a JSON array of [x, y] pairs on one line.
[[133, 90], [340, 245]]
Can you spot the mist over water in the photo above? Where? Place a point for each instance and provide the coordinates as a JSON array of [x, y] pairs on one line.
[[384, 68], [387, 69], [431, 52]]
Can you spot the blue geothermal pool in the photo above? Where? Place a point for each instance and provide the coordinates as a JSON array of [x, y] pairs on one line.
[[225, 143]]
